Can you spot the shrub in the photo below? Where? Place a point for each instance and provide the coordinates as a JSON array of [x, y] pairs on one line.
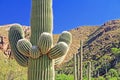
[[112, 73], [64, 77]]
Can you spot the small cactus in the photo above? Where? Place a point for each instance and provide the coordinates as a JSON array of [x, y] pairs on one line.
[[78, 63], [89, 70], [75, 67], [39, 54], [81, 60]]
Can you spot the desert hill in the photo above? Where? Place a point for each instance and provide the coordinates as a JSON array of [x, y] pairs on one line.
[[97, 49], [77, 34], [98, 39], [103, 39]]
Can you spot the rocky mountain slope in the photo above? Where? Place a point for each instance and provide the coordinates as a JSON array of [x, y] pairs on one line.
[[97, 49], [98, 39], [103, 39], [77, 34]]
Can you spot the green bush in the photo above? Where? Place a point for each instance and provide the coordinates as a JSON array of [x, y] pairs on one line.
[[64, 77], [112, 73], [101, 78], [113, 78]]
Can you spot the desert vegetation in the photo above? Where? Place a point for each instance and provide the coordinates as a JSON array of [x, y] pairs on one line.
[[103, 52], [96, 58]]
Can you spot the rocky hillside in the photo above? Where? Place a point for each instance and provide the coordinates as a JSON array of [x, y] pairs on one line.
[[97, 49], [98, 39], [78, 34], [103, 39]]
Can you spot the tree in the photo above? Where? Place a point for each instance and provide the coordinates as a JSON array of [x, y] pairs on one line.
[[116, 52]]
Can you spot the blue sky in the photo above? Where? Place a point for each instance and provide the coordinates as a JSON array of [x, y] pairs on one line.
[[68, 14]]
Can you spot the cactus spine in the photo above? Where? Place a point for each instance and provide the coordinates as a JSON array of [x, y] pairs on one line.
[[39, 54]]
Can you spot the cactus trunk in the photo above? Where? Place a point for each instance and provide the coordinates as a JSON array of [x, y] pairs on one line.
[[75, 67], [89, 70], [81, 60], [41, 69], [78, 67], [41, 19]]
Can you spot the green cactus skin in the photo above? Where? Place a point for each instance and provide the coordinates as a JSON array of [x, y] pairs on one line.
[[58, 50], [89, 70], [45, 42], [64, 37], [24, 46], [39, 54], [35, 52], [41, 19]]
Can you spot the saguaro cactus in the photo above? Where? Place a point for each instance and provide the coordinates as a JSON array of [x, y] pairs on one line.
[[81, 60], [39, 54], [78, 63], [89, 70], [75, 67]]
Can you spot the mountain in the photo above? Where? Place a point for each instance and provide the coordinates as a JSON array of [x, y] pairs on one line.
[[98, 41], [97, 49], [103, 39], [77, 34]]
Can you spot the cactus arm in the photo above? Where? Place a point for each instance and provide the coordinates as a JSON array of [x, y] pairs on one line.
[[15, 34], [59, 60], [58, 50], [65, 37], [45, 42], [24, 46]]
